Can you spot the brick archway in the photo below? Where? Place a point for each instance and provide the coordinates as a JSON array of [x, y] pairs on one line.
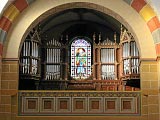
[[10, 64], [140, 6], [131, 25]]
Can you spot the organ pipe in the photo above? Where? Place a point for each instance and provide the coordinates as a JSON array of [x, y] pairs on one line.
[[130, 54], [53, 58], [108, 72]]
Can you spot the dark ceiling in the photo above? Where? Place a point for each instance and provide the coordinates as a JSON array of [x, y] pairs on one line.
[[80, 22]]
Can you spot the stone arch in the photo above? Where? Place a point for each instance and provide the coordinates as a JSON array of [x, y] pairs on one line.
[[111, 8], [12, 33], [150, 17]]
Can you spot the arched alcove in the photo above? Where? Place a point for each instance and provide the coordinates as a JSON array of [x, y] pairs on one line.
[[134, 23], [29, 19]]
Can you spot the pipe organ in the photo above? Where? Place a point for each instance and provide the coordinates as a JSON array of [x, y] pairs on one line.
[[114, 65], [30, 60], [130, 57], [53, 59], [108, 66]]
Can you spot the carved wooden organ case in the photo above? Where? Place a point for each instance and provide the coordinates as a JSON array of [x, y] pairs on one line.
[[29, 67], [47, 64]]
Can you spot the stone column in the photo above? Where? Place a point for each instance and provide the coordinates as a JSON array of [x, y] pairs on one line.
[[150, 91], [9, 88]]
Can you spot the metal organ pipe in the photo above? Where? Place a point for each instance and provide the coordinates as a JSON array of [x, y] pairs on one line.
[[106, 55], [58, 55], [128, 54], [36, 49], [25, 50], [32, 48], [137, 65], [53, 56], [102, 55], [107, 71], [49, 55], [132, 48], [110, 57], [125, 50], [23, 60], [109, 77], [29, 49], [28, 65], [136, 50], [128, 66], [25, 65], [48, 72], [134, 61], [113, 55]]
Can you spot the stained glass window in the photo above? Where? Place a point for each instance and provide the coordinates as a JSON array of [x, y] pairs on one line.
[[80, 59]]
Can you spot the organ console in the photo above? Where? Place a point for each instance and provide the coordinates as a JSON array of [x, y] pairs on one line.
[[114, 65]]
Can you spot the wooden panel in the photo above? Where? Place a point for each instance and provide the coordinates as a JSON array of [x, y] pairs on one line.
[[31, 104], [126, 104], [79, 105], [63, 105], [111, 105], [95, 104], [47, 104]]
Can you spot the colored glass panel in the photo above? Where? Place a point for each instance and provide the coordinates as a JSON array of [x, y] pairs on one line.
[[80, 59]]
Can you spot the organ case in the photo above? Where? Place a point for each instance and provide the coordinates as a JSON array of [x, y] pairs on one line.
[[115, 65]]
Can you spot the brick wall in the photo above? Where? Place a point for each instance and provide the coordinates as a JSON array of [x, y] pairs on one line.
[[9, 83], [149, 87]]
